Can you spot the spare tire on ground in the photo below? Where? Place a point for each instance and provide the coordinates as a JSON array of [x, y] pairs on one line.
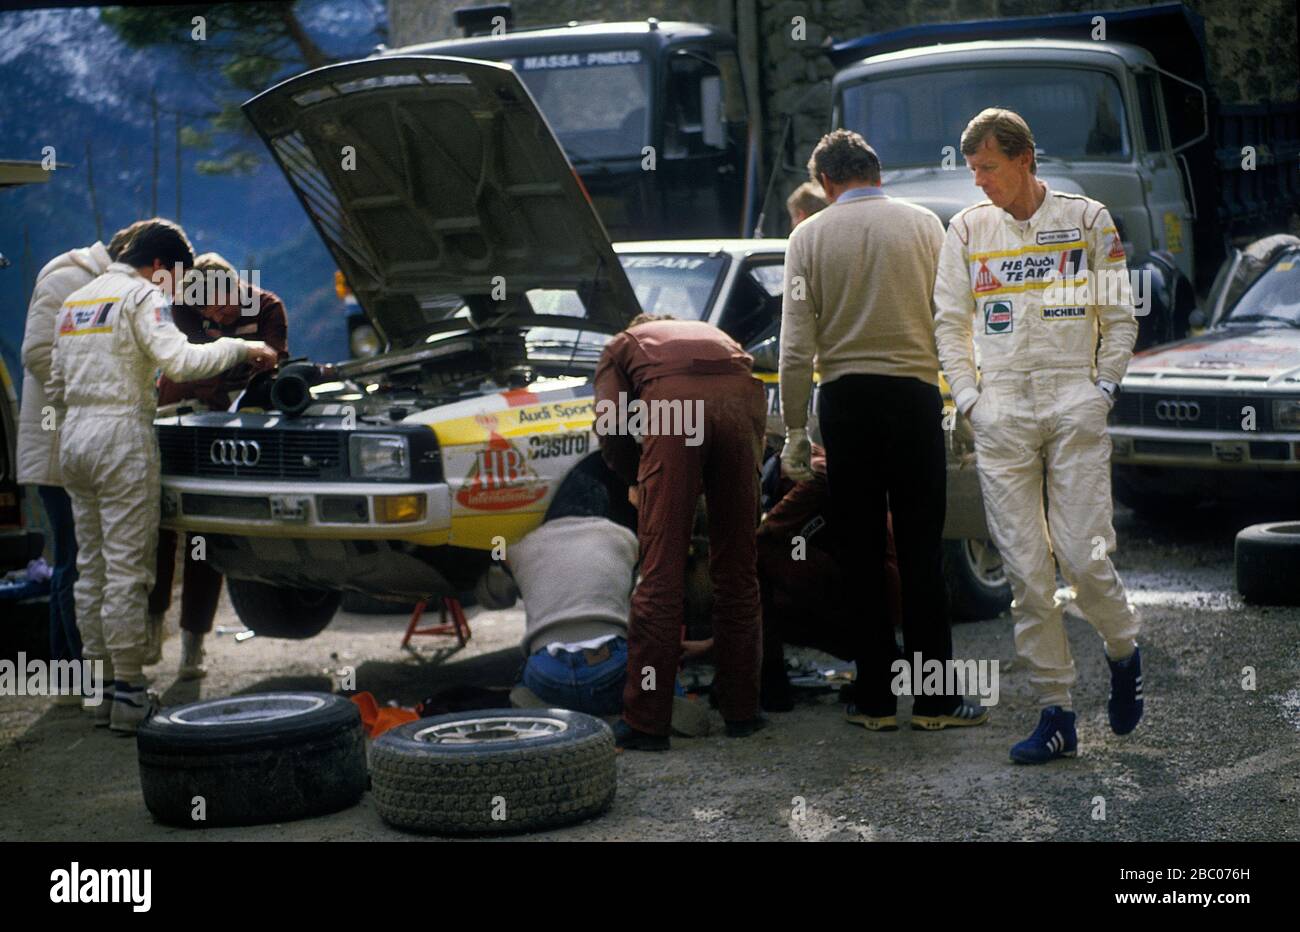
[[1268, 563], [498, 770], [270, 757]]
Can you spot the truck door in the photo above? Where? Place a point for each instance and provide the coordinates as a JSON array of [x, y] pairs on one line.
[[701, 166], [1163, 184]]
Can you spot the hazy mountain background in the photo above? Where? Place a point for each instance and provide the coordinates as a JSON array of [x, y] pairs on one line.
[[67, 81]]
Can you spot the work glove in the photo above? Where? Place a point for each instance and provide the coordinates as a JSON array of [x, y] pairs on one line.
[[796, 455]]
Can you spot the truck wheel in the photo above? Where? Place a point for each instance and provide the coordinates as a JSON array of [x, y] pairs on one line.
[[977, 585], [247, 760], [1268, 563], [498, 770], [276, 612]]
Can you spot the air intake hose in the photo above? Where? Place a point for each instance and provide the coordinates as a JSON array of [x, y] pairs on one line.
[[291, 391]]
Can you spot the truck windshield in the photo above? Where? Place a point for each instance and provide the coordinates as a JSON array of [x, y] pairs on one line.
[[597, 102], [910, 118], [1275, 296], [680, 285]]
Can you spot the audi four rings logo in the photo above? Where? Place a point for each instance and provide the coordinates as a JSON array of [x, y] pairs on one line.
[[1178, 410], [235, 452]]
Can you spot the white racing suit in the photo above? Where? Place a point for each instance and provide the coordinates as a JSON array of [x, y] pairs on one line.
[[1036, 313], [112, 336]]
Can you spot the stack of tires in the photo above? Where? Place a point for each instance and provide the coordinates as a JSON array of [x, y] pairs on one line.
[[276, 757]]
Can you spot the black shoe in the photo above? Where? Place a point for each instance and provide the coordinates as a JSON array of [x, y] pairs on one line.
[[747, 727], [628, 738]]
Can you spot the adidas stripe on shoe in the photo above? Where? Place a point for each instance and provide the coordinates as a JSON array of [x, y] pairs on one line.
[[1054, 737], [1126, 703]]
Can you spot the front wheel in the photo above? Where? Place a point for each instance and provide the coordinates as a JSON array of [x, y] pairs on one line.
[[281, 612], [977, 584]]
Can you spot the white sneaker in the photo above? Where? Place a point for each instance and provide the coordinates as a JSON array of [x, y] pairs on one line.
[[132, 706], [192, 654], [154, 640]]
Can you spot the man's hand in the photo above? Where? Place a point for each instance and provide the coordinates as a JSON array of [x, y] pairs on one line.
[[261, 356], [634, 496], [1109, 389], [796, 455]]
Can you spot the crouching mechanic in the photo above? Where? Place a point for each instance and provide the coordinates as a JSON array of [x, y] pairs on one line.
[[1014, 267], [113, 334]]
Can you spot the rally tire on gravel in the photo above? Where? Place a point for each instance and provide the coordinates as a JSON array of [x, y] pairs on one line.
[[1268, 563], [432, 776], [268, 757]]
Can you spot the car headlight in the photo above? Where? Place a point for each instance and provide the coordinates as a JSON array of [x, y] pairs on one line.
[[1286, 415], [375, 456], [364, 341]]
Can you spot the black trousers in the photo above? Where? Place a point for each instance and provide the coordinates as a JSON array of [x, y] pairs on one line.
[[885, 452]]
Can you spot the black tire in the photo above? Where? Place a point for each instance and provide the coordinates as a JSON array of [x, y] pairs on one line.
[[1268, 563], [281, 612], [270, 757], [359, 603], [563, 774], [977, 586]]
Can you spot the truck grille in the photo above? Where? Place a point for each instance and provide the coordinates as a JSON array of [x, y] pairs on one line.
[[280, 453], [1192, 412]]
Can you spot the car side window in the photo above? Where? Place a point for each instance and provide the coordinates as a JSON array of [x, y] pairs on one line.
[[754, 306]]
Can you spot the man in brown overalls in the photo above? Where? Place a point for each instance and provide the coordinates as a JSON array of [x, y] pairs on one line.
[[711, 442]]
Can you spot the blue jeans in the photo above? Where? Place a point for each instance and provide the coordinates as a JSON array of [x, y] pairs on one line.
[[65, 640], [578, 681]]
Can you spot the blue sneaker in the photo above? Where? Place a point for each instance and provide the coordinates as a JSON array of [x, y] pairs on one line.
[[1054, 737], [1125, 706]]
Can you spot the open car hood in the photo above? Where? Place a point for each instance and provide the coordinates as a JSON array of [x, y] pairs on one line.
[[454, 193]]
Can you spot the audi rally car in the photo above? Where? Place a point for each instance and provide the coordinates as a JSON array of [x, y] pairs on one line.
[[470, 245]]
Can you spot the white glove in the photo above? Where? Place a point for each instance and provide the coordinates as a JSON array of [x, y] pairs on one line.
[[796, 455]]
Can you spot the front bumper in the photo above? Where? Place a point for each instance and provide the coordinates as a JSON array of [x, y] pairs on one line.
[[339, 510], [1205, 449]]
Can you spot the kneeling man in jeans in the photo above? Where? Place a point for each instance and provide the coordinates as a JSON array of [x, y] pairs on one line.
[[576, 576]]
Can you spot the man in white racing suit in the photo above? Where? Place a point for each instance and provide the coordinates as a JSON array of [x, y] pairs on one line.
[[1039, 276], [112, 337]]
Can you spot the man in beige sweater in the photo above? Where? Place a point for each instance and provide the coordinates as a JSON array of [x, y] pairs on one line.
[[859, 278]]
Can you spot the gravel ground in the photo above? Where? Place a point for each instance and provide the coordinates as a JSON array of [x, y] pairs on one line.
[[1211, 760]]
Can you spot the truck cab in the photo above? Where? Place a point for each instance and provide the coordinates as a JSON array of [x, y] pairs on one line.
[[1096, 109], [651, 115]]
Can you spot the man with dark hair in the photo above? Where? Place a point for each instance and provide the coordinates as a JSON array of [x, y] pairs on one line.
[[38, 442], [1044, 273], [113, 334], [677, 411], [859, 277]]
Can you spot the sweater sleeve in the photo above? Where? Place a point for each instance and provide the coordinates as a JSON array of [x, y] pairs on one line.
[[954, 312], [798, 336]]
